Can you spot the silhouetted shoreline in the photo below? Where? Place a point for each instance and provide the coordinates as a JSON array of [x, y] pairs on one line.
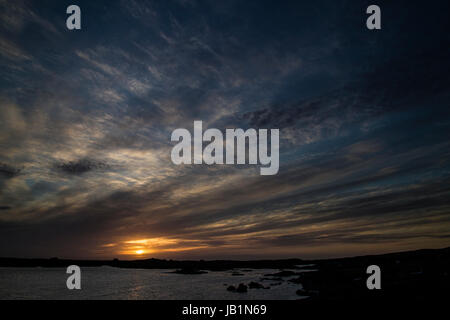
[[420, 274], [221, 265], [212, 265]]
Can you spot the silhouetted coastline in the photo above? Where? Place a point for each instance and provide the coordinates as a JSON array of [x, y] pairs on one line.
[[420, 274]]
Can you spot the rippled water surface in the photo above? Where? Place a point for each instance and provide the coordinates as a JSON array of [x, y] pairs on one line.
[[114, 283]]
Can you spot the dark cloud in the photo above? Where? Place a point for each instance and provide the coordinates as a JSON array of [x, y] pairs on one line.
[[390, 87], [8, 171], [81, 166]]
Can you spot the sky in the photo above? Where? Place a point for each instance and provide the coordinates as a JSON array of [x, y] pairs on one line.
[[87, 116]]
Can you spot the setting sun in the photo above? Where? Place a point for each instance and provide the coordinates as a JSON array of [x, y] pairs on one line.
[[139, 251]]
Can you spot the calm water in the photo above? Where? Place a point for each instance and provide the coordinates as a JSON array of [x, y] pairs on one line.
[[113, 283]]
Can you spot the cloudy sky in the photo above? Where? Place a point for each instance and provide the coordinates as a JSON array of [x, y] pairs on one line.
[[86, 119]]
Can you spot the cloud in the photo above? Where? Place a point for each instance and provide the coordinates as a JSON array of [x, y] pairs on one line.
[[80, 166], [317, 196], [391, 87], [8, 171]]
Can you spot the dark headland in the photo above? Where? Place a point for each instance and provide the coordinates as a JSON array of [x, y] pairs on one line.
[[420, 274]]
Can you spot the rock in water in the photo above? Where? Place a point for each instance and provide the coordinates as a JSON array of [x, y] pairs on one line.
[[241, 288], [255, 285], [231, 288]]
